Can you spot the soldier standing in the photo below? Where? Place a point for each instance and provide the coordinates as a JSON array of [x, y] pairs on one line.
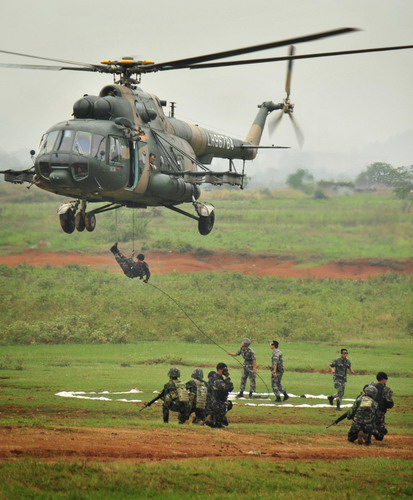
[[339, 368], [132, 269], [385, 402], [219, 386], [249, 367], [277, 371], [175, 397], [198, 390], [363, 413]]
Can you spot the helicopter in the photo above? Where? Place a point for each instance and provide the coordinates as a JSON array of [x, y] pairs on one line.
[[121, 149]]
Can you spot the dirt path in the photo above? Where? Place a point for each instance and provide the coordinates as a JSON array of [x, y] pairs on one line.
[[132, 445], [163, 263]]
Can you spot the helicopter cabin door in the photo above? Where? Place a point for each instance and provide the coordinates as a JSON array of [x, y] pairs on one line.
[[134, 166], [143, 171]]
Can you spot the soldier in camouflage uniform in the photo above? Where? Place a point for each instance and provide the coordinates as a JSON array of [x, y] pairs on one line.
[[363, 413], [198, 390], [277, 371], [385, 402], [175, 397], [339, 368], [249, 367], [219, 386], [132, 269]]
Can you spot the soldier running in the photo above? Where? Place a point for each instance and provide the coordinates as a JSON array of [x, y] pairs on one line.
[[249, 367], [132, 269], [339, 368]]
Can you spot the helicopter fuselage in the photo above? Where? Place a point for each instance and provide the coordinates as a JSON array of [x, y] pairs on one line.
[[103, 153]]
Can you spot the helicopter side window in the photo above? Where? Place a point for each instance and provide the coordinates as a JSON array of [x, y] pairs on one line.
[[114, 150], [98, 146], [65, 140], [82, 143], [48, 142], [118, 150]]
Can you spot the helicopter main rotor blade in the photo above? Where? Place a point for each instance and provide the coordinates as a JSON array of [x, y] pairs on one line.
[[49, 59], [289, 72], [44, 67], [189, 62], [301, 56]]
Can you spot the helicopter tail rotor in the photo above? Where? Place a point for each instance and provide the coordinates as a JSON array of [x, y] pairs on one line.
[[288, 107]]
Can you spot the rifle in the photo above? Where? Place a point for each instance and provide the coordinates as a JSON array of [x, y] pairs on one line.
[[146, 405], [339, 419]]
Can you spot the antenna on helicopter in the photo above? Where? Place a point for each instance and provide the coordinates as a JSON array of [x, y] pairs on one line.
[[172, 111]]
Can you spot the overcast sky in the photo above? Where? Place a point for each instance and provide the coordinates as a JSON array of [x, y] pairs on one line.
[[351, 108]]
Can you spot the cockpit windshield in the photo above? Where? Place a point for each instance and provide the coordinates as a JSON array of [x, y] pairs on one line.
[[83, 143]]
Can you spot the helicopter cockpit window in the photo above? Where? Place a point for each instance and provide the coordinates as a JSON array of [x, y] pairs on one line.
[[118, 150], [82, 144], [65, 140], [48, 142], [98, 146]]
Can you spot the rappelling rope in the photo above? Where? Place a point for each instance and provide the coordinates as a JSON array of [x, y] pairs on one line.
[[202, 331], [133, 231]]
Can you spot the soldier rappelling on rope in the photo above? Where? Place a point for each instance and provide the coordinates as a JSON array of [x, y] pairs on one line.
[[132, 268]]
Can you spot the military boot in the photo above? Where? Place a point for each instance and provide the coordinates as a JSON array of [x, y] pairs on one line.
[[286, 396], [361, 437], [250, 395], [278, 399], [338, 405], [330, 399], [240, 395]]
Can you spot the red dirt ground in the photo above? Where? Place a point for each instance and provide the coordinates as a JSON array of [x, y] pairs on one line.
[[171, 443], [163, 263]]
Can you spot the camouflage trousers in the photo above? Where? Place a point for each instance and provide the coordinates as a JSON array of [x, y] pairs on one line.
[[276, 384], [200, 415], [339, 385], [380, 426], [182, 408], [217, 414], [366, 427], [125, 264], [245, 374]]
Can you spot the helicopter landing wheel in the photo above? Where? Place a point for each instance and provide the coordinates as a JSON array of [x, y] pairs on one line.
[[206, 223], [80, 222], [67, 221], [90, 222]]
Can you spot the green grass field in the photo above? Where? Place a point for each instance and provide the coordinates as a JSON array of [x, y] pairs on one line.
[[283, 223], [32, 375], [77, 329]]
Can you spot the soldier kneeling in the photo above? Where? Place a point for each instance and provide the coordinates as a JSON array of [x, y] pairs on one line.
[[175, 397], [219, 386], [198, 390], [363, 413]]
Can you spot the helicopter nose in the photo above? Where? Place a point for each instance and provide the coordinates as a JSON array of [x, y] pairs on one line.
[[63, 170], [61, 178]]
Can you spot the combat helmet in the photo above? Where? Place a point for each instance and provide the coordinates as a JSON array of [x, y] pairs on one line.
[[198, 374], [370, 391], [174, 372], [246, 341]]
